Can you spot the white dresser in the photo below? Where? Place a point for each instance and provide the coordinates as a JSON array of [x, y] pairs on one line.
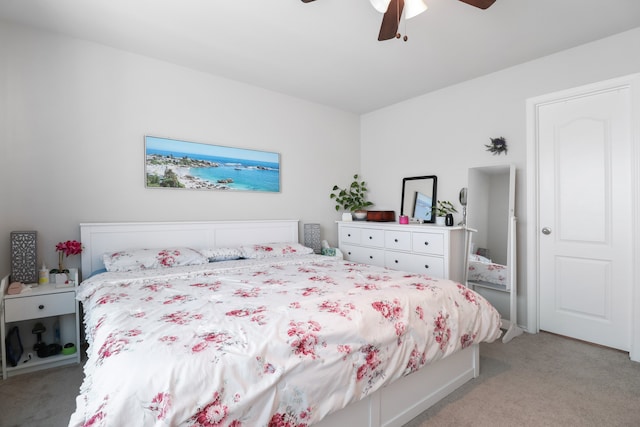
[[437, 251]]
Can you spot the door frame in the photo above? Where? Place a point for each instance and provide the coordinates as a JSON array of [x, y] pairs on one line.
[[533, 225]]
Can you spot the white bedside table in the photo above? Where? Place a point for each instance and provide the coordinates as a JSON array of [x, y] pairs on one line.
[[56, 308]]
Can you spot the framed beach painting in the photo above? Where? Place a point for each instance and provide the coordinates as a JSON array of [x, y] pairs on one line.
[[172, 163]]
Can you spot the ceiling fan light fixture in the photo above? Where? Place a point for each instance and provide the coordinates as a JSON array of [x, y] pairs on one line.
[[413, 8], [380, 5]]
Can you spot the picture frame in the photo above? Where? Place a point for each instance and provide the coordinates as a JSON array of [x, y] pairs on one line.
[[179, 164]]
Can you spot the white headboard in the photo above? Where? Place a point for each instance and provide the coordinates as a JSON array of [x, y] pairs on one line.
[[100, 238]]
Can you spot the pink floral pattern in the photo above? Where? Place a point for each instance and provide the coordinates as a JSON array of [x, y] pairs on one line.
[[142, 259], [213, 414], [211, 342], [483, 270], [159, 405]]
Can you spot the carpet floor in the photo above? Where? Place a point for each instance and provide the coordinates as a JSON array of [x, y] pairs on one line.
[[534, 380]]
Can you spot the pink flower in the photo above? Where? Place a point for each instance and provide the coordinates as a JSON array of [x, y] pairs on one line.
[[199, 347], [70, 247], [212, 415], [160, 404], [167, 258]]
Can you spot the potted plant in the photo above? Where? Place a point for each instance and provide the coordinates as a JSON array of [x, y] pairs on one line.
[[68, 248], [352, 199], [444, 210]]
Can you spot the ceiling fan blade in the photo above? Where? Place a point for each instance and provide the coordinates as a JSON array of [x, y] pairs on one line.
[[482, 4], [391, 20]]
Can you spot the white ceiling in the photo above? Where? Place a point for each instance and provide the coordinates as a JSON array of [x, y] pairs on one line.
[[327, 51]]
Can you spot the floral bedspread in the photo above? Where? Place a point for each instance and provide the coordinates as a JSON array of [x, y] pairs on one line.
[[262, 342], [483, 270]]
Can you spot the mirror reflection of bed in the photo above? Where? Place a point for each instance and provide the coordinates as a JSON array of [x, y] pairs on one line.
[[492, 249]]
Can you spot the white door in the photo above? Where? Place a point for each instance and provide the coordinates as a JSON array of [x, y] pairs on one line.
[[585, 217]]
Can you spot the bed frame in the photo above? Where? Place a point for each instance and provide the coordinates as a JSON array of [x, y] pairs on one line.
[[393, 405]]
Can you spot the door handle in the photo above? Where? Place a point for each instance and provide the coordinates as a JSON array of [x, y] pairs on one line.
[[546, 231]]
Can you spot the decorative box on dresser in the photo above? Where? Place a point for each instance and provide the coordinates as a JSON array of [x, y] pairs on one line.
[[56, 308], [437, 251]]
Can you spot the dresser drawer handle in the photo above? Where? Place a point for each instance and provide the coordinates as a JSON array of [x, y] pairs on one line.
[[370, 256], [426, 266], [426, 243], [396, 261], [370, 237], [395, 240], [41, 306], [348, 234]]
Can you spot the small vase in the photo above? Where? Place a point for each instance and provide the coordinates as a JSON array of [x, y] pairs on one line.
[[448, 220], [60, 278], [346, 216], [440, 220]]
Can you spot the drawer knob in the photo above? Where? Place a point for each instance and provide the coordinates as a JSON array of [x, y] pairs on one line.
[[396, 261], [426, 243], [426, 266], [41, 306], [370, 237], [348, 234], [395, 240], [370, 256]]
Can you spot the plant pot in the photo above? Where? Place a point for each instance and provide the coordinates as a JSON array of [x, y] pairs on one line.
[[360, 215], [440, 220], [59, 278], [346, 216]]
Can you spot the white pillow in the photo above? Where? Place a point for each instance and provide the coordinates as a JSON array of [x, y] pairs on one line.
[[143, 259], [274, 250], [221, 254], [479, 258]]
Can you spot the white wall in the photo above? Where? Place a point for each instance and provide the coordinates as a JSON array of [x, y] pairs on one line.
[[74, 114], [73, 118], [444, 133]]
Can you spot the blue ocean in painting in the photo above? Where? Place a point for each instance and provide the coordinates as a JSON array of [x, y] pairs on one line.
[[246, 174]]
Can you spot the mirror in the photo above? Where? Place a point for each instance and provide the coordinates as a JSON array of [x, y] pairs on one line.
[[418, 197], [492, 259], [463, 201], [490, 212]]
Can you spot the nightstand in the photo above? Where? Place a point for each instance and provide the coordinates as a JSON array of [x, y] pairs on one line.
[[56, 311]]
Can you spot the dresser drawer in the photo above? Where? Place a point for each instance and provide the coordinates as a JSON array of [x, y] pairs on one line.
[[372, 237], [350, 235], [363, 255], [428, 243], [397, 240], [37, 306], [432, 266]]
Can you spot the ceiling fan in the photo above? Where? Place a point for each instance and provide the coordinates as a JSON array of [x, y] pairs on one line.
[[393, 9]]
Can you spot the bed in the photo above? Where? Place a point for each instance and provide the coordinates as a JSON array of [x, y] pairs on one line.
[[278, 337]]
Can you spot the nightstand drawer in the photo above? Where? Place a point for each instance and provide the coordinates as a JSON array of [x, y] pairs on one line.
[[37, 306]]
